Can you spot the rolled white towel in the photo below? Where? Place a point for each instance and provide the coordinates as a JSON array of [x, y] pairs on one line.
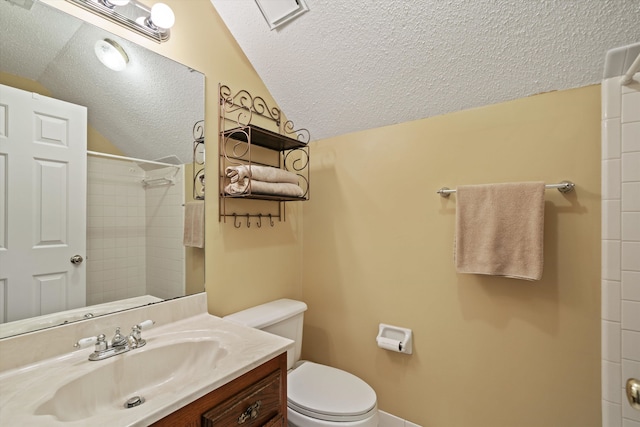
[[260, 173], [246, 186]]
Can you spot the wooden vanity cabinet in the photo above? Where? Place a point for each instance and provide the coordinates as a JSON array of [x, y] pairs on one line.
[[257, 398]]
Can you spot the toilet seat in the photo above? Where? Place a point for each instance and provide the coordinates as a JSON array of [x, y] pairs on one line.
[[330, 394]]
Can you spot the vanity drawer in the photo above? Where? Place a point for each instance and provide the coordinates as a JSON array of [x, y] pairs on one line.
[[260, 382], [257, 405]]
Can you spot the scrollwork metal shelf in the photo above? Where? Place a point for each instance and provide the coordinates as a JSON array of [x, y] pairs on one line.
[[246, 139], [198, 160]]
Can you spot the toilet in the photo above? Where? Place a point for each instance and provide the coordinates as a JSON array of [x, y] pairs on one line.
[[317, 395]]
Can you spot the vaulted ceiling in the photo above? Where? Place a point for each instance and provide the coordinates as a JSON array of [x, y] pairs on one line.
[[345, 66]]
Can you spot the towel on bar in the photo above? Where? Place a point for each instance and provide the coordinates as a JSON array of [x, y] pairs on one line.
[[251, 186], [260, 173], [194, 224], [499, 229]]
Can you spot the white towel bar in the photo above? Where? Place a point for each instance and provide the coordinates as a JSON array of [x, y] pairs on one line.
[[633, 69], [563, 187]]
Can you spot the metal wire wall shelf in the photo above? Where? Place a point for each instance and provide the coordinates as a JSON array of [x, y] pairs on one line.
[[254, 134]]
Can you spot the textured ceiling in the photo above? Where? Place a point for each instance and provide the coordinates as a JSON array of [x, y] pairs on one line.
[[345, 66], [147, 111]]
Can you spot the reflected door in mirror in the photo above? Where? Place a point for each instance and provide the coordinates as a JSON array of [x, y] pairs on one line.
[[44, 186]]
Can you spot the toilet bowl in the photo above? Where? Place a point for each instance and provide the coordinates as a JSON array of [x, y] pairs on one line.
[[317, 395]]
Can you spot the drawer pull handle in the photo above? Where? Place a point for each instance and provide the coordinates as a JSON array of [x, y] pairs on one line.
[[250, 413]]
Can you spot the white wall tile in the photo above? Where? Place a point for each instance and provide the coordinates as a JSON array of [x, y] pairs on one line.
[[631, 226], [631, 285], [630, 196], [630, 369], [631, 166], [611, 382], [611, 139], [611, 292], [631, 345], [622, 254], [631, 107], [611, 341], [630, 423], [631, 256], [611, 251], [631, 315], [611, 227], [611, 182], [630, 137], [611, 414], [611, 98], [387, 420]]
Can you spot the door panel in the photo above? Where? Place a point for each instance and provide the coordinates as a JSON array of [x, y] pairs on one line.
[[43, 189]]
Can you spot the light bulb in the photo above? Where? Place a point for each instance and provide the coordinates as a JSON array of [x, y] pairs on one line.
[[111, 54], [162, 16]]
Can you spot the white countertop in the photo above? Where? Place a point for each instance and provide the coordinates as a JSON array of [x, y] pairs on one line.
[[25, 388]]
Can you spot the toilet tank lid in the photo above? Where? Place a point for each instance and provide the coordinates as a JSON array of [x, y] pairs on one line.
[[264, 315]]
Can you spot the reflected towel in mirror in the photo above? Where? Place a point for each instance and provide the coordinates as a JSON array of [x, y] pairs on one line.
[[194, 224]]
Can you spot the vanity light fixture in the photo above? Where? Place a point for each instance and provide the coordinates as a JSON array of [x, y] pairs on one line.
[[111, 54], [153, 22]]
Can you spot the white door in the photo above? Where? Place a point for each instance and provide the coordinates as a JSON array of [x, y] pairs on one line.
[[43, 168]]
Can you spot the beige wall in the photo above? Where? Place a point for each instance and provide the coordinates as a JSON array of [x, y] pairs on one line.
[[95, 140], [378, 245], [243, 266]]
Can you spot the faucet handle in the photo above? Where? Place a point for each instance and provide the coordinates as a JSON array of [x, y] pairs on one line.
[[136, 335], [146, 324], [85, 342], [100, 341]]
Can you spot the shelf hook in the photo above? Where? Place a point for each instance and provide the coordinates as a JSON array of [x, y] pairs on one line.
[[270, 220], [236, 224], [248, 221], [259, 223]]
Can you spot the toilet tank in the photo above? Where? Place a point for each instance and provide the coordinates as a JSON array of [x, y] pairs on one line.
[[283, 317]]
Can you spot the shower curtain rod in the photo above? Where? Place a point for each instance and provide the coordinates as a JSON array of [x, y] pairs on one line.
[[633, 69], [563, 187], [131, 159]]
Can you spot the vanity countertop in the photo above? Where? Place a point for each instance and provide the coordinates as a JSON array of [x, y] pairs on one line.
[[25, 390]]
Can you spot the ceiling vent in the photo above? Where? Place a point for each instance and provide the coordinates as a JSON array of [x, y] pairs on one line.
[[279, 12]]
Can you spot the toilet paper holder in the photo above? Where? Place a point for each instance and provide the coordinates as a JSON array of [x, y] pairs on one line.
[[395, 338]]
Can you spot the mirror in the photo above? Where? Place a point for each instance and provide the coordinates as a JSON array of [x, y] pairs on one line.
[[149, 111]]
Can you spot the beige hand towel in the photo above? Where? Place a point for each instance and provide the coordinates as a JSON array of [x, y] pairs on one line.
[[194, 224], [499, 229], [260, 173], [266, 188]]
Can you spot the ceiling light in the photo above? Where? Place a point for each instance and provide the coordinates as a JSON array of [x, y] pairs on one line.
[[111, 54], [112, 3], [154, 23], [162, 16]]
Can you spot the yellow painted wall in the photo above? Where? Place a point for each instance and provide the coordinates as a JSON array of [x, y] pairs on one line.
[[95, 140], [378, 245], [378, 248], [243, 266]]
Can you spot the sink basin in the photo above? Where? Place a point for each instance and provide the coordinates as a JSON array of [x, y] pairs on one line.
[[150, 372], [183, 360]]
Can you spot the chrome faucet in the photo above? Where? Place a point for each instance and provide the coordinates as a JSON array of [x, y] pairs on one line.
[[119, 343]]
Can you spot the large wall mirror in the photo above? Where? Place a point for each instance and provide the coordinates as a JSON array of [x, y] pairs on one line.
[[140, 124]]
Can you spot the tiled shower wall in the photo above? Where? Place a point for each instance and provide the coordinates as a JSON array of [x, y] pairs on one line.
[[620, 248], [125, 248], [165, 254]]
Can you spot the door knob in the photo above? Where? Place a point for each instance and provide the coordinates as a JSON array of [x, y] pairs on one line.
[[76, 259], [633, 393]]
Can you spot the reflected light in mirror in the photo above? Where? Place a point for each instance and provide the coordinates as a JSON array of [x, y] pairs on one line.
[[111, 54]]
